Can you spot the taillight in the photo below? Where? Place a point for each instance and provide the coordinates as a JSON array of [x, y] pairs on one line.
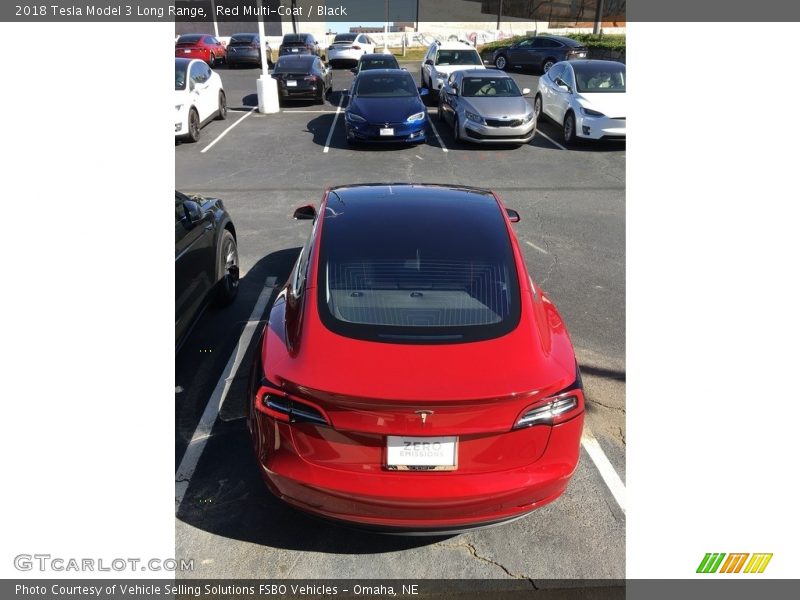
[[256, 46], [279, 405], [310, 78], [555, 409], [356, 47]]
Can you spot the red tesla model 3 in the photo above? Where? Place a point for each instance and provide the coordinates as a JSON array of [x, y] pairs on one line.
[[412, 376]]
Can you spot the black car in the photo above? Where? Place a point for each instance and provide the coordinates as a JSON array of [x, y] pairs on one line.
[[302, 76], [298, 43], [539, 52], [368, 62], [244, 49], [206, 259]]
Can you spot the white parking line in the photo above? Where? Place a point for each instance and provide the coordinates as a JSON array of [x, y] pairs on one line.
[[535, 247], [549, 139], [203, 430], [441, 143], [333, 125], [320, 112], [607, 472], [221, 135]]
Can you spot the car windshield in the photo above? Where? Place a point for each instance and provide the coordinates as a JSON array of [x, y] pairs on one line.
[[181, 69], [386, 86], [294, 64], [389, 62], [458, 57], [344, 37], [189, 39], [590, 78], [239, 40], [503, 87], [417, 270]]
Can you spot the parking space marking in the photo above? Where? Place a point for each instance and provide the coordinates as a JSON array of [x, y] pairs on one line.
[[607, 472], [549, 139], [222, 135], [441, 143], [203, 430], [333, 125], [535, 247], [330, 112]]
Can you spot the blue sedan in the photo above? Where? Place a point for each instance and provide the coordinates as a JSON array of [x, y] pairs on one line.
[[385, 106]]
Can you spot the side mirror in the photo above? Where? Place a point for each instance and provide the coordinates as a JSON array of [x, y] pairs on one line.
[[423, 91], [305, 213], [193, 212], [563, 85], [354, 70], [429, 62], [526, 91], [513, 215]]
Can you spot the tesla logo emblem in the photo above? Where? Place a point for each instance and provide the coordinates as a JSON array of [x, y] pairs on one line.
[[423, 414]]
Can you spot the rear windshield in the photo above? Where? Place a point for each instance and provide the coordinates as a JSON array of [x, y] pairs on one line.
[[388, 62], [189, 39], [490, 86], [345, 37], [386, 86], [458, 57], [294, 64], [415, 272], [243, 39], [593, 78], [294, 38]]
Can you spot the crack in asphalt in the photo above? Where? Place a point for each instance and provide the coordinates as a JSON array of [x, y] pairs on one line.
[[474, 553], [618, 408], [554, 263], [622, 435]]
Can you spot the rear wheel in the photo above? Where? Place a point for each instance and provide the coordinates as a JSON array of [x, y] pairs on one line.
[[456, 129], [229, 263], [501, 62], [212, 60], [549, 62], [440, 112], [222, 110]]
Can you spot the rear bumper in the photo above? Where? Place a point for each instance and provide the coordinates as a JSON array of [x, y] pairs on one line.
[[414, 501], [192, 53], [242, 57], [347, 55]]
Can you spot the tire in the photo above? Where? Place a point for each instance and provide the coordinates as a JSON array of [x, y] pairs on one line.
[[222, 110], [537, 106], [547, 64], [212, 60], [569, 129], [228, 285], [320, 97], [456, 129], [440, 113], [501, 62], [194, 126]]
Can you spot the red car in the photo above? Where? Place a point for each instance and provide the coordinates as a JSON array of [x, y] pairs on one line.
[[202, 47], [411, 376]]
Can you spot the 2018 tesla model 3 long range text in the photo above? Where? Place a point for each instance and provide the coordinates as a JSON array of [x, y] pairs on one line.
[[412, 376]]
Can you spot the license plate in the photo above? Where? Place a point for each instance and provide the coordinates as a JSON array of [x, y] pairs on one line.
[[582, 54], [423, 453], [186, 51], [291, 83], [294, 49], [387, 131]]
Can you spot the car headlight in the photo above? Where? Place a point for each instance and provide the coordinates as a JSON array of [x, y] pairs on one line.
[[420, 116], [591, 113], [354, 117], [178, 107], [471, 116], [528, 118]]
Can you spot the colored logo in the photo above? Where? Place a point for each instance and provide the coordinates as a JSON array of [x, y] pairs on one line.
[[734, 563]]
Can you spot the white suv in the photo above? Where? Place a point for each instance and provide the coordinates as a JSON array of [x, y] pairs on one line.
[[443, 58]]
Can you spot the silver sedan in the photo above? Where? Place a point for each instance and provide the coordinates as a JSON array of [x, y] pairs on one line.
[[485, 106]]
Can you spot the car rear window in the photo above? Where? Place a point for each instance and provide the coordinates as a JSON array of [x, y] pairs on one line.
[[417, 271], [458, 57], [389, 62], [294, 38], [237, 40], [294, 64], [344, 37], [189, 39]]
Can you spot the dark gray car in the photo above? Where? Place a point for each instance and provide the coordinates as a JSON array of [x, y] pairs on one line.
[[244, 49], [486, 106], [539, 52]]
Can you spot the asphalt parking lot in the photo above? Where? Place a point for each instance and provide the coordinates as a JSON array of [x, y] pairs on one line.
[[572, 203]]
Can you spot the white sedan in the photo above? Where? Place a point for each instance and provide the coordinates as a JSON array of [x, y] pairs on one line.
[[585, 97], [199, 98]]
